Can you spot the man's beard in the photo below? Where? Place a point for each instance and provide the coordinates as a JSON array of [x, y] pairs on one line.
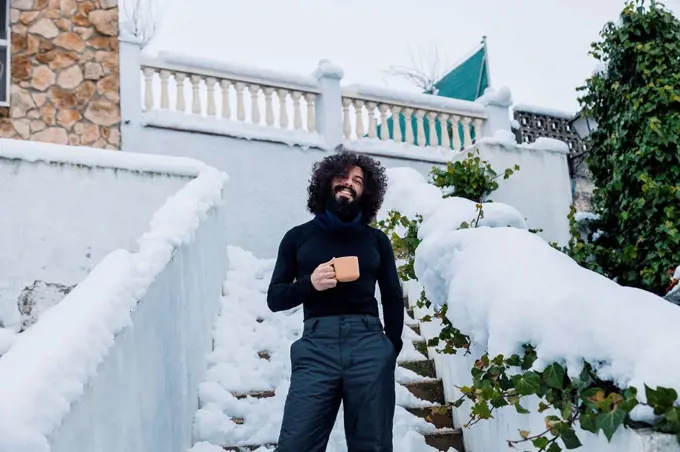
[[344, 208]]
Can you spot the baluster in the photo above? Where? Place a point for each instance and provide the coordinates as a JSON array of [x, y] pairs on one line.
[[283, 110], [457, 146], [420, 129], [179, 81], [433, 128], [384, 130], [148, 88], [254, 103], [359, 116], [165, 91], [196, 101], [311, 121], [297, 113], [346, 126], [372, 126], [210, 85], [467, 138], [479, 123], [408, 124], [240, 106], [396, 124], [444, 125], [226, 108], [268, 106]]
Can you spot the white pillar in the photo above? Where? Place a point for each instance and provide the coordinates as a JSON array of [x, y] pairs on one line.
[[497, 105], [329, 103], [130, 91]]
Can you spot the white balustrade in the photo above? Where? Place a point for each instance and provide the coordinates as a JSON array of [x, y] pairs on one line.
[[245, 95], [416, 119], [263, 102]]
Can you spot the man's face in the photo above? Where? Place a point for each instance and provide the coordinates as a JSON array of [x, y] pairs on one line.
[[349, 188]]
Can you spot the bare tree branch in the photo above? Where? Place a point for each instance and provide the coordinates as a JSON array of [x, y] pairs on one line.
[[140, 18], [424, 71]]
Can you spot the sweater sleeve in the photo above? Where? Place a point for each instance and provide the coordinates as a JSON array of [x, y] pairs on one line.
[[391, 293], [285, 292]]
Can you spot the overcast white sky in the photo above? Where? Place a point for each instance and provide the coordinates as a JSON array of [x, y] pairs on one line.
[[538, 48]]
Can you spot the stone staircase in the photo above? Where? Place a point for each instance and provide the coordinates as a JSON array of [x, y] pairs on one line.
[[442, 438]]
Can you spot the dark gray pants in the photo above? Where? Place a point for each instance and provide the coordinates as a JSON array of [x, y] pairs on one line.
[[340, 358]]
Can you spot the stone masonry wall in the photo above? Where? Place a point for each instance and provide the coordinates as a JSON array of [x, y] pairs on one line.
[[65, 73]]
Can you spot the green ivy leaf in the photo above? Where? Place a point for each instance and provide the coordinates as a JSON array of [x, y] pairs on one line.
[[553, 375], [609, 422], [588, 422], [570, 439], [541, 442], [527, 383]]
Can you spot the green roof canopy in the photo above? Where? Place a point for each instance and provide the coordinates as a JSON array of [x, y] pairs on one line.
[[467, 81]]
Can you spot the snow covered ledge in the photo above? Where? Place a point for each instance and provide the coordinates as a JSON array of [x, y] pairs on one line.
[[116, 364], [506, 287]]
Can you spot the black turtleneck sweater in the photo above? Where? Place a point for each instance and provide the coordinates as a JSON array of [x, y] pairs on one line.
[[308, 245]]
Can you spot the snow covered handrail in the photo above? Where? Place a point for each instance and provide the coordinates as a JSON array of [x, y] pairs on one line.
[[204, 75], [428, 111]]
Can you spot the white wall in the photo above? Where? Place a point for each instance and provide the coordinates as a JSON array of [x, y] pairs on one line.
[[268, 181], [493, 434], [144, 396], [541, 189], [116, 364], [58, 220]]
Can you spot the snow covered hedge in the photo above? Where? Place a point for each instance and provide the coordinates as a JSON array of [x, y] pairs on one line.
[[541, 333]]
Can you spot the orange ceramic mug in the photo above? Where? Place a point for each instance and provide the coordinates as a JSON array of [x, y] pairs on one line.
[[346, 268]]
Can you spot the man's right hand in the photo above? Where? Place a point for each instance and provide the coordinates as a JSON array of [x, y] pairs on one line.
[[323, 277]]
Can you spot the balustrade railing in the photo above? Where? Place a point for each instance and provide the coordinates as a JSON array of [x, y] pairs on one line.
[[230, 92], [415, 119], [241, 94]]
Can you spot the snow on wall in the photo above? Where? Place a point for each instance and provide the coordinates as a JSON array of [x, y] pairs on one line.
[[115, 365], [268, 181], [57, 221]]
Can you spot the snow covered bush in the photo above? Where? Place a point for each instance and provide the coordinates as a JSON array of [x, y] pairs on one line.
[[634, 156], [543, 310]]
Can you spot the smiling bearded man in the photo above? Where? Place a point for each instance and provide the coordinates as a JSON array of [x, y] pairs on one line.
[[343, 355]]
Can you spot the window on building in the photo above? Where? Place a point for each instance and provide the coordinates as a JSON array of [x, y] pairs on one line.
[[5, 52]]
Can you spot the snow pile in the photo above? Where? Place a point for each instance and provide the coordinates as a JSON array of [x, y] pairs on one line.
[[411, 99], [542, 111], [507, 287], [409, 193], [501, 138], [244, 328], [237, 72], [390, 148], [49, 365], [501, 98], [548, 144], [218, 126], [34, 151], [328, 69]]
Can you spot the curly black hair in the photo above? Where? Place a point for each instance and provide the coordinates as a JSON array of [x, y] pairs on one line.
[[338, 164]]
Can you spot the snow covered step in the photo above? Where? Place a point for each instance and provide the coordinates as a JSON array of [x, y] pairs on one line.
[[255, 395], [250, 448], [421, 346], [424, 368], [434, 415], [415, 328], [445, 439], [431, 390]]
